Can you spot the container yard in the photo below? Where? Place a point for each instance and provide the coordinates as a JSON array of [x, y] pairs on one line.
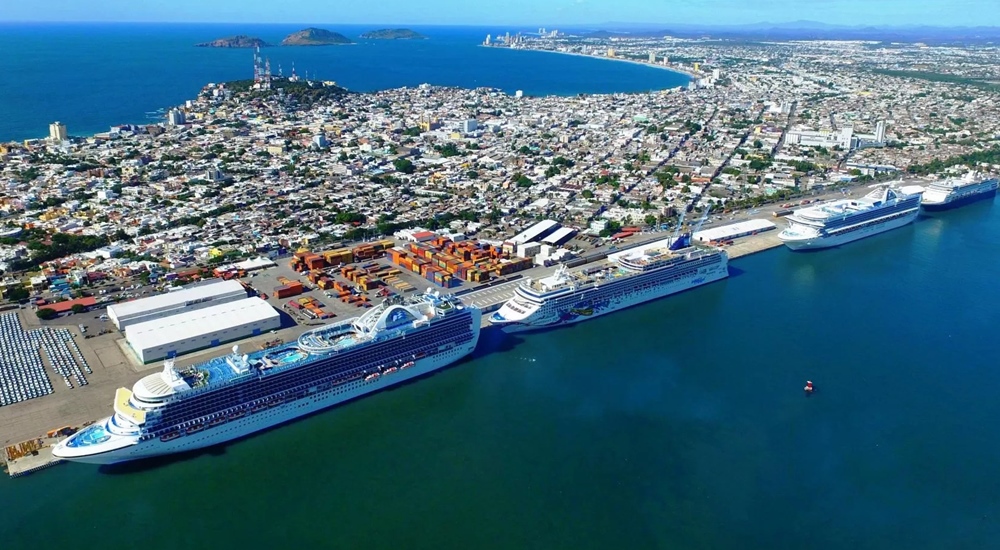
[[447, 263]]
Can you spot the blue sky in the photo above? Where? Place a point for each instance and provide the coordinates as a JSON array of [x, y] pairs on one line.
[[512, 12]]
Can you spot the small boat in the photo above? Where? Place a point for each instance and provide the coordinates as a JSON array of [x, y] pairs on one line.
[[275, 402], [259, 408], [194, 429], [170, 436], [237, 414], [407, 365], [217, 421], [371, 377], [390, 370]]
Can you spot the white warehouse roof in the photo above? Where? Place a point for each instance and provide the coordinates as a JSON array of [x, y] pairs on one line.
[[733, 230], [535, 231], [176, 298], [192, 324], [559, 235]]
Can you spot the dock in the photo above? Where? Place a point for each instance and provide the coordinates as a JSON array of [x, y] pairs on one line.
[[490, 299], [32, 455]]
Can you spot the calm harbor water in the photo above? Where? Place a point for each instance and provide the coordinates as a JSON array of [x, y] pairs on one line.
[[93, 76], [676, 424]]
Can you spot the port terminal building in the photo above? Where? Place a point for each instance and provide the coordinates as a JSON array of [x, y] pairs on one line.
[[175, 302], [734, 231], [205, 327]]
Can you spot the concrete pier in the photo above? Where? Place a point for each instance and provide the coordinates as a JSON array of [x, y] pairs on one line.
[[30, 456]]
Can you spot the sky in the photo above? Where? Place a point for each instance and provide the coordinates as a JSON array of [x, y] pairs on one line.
[[549, 13]]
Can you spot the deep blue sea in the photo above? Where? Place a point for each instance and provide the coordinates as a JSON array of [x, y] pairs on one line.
[[94, 76], [678, 424]]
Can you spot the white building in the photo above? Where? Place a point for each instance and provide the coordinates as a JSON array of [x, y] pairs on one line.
[[199, 329], [813, 138], [172, 303], [57, 132], [469, 126], [176, 117], [537, 231]]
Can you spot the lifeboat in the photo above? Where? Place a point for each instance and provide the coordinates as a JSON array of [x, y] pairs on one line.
[[217, 421], [170, 436], [236, 415], [407, 365], [259, 408], [372, 376], [194, 429], [390, 370]]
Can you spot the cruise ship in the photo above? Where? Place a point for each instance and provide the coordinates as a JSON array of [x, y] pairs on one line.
[[846, 220], [236, 395], [956, 192], [629, 278]]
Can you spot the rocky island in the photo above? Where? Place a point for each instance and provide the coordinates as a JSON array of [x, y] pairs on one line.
[[238, 41], [393, 34], [315, 37]]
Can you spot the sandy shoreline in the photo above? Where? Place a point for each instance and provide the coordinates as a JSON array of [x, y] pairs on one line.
[[688, 74]]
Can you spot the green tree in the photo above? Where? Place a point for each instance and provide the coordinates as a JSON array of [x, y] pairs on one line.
[[650, 219], [46, 314], [587, 194], [404, 165], [79, 308]]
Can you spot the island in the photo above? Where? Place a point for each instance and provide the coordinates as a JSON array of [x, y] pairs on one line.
[[393, 34], [315, 37], [238, 41]]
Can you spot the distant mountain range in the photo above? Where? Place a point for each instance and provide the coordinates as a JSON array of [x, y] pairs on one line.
[[796, 30]]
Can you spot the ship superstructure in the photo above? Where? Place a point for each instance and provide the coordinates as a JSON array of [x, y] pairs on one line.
[[846, 220], [626, 279], [955, 192], [235, 395]]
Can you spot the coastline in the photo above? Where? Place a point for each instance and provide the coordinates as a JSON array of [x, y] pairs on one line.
[[686, 73]]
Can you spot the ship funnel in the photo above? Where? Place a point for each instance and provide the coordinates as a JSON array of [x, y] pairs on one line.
[[236, 349]]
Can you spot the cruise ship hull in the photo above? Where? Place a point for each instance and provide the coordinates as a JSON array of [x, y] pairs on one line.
[[962, 201], [552, 316], [266, 418], [827, 241]]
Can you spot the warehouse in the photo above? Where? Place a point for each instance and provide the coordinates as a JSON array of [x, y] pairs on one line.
[[171, 303], [560, 237], [201, 328], [734, 230], [536, 231]]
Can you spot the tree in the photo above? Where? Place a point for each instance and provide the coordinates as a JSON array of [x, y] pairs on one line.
[[472, 174], [79, 308], [46, 314], [650, 219], [587, 194], [757, 144], [404, 165], [17, 294]]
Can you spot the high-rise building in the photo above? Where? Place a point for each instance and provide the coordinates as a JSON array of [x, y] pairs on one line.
[[880, 131], [176, 117], [469, 126], [652, 57], [716, 74], [611, 52], [519, 93], [488, 38], [697, 67], [57, 131]]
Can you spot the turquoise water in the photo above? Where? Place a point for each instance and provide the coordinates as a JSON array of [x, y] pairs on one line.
[[94, 76], [677, 424]]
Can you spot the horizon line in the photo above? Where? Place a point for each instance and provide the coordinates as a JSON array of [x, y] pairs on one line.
[[636, 27]]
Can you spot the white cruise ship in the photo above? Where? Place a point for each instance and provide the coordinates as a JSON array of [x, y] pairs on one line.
[[628, 278], [846, 220], [233, 396], [955, 192]]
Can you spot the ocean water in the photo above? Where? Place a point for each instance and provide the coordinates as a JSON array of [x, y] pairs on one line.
[[94, 76], [680, 423]]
